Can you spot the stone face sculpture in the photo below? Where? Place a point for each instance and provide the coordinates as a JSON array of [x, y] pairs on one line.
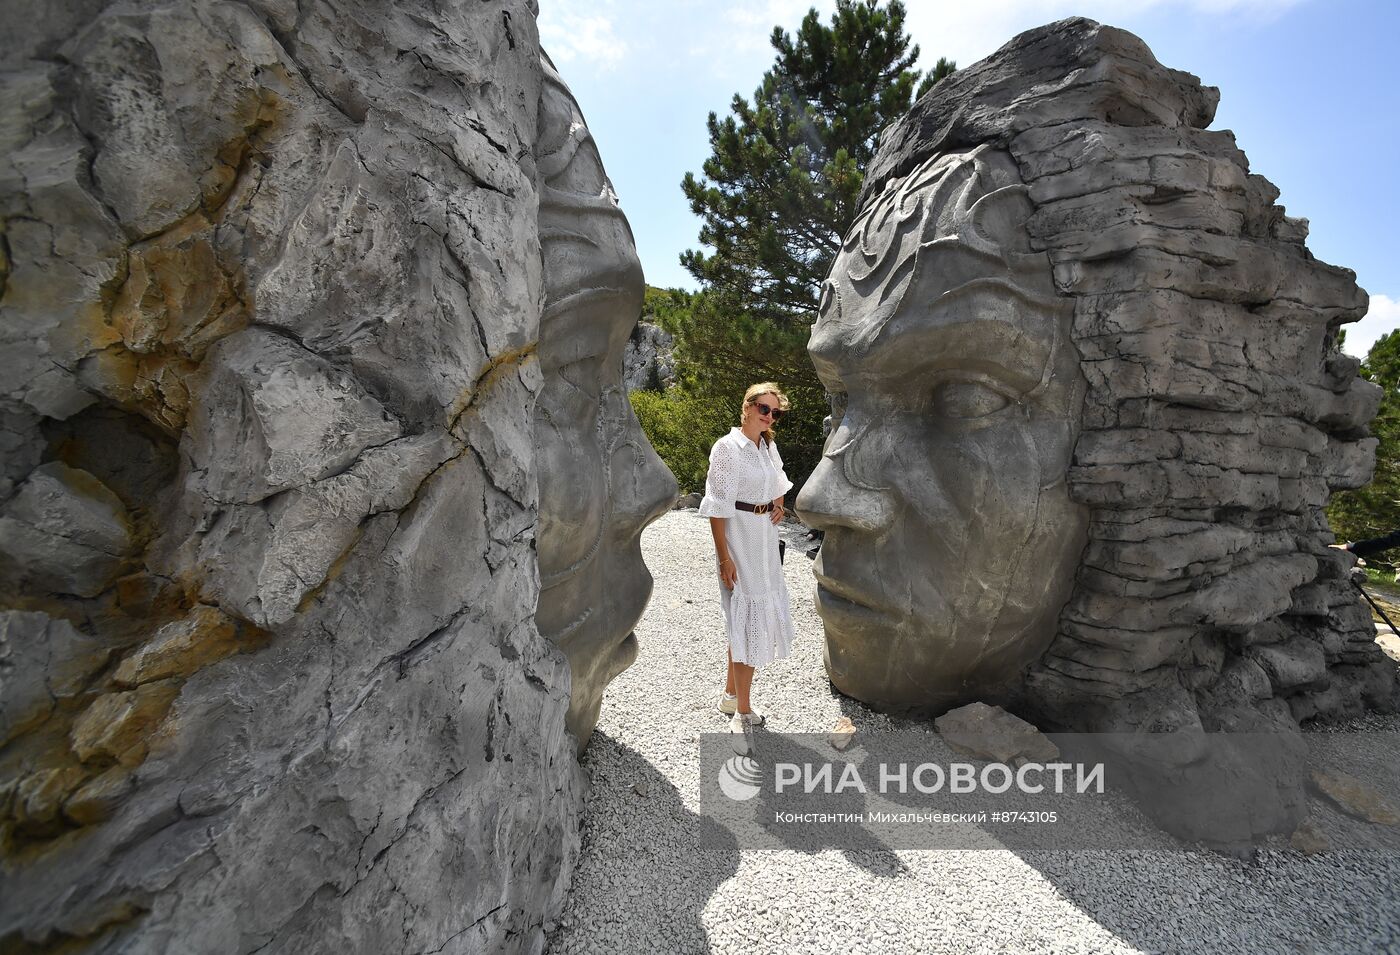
[[951, 540], [1198, 593], [600, 481], [269, 672]]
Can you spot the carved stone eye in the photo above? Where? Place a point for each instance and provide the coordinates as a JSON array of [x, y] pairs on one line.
[[967, 399]]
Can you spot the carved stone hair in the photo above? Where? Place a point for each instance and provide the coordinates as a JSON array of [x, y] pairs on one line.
[[966, 209]]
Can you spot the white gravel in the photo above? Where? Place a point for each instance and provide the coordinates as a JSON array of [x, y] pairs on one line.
[[644, 885]]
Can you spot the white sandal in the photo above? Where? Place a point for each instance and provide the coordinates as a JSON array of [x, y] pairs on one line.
[[755, 717], [728, 704]]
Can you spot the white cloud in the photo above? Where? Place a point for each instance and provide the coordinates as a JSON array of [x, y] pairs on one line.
[[764, 16], [569, 36], [1383, 317], [729, 40]]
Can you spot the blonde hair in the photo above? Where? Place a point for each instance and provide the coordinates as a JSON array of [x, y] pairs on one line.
[[764, 388]]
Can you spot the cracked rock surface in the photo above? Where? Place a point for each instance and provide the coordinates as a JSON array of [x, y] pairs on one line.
[[270, 296]]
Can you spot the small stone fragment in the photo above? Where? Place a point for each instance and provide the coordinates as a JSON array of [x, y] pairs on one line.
[[642, 787], [1308, 838], [989, 732], [842, 734], [116, 725], [1354, 797], [1389, 642]]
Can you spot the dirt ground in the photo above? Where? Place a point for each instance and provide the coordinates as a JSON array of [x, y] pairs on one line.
[[1387, 594]]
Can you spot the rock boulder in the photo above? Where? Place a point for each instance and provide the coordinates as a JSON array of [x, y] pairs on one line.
[[268, 344]]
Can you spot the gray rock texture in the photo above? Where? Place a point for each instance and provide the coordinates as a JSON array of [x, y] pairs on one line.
[[647, 362], [1217, 418], [600, 480], [656, 874], [989, 732], [272, 286]]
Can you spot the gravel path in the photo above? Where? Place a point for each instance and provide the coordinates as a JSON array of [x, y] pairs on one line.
[[643, 884]]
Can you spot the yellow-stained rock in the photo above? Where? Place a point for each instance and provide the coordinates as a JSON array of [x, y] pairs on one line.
[[40, 795], [842, 733], [176, 300], [144, 597], [100, 797], [1354, 797], [1308, 838], [176, 293], [116, 725], [180, 648]]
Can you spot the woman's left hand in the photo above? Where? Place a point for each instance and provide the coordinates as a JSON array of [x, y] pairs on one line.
[[777, 511]]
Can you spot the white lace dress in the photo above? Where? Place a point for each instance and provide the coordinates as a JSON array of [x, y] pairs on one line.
[[756, 612]]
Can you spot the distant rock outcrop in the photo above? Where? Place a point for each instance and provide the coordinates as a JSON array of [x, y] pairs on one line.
[[647, 362]]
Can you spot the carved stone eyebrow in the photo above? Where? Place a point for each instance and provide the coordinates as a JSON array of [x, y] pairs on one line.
[[988, 325]]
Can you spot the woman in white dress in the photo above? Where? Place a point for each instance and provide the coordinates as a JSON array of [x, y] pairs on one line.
[[744, 501]]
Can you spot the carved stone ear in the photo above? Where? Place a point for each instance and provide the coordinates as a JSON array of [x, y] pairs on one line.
[[998, 219]]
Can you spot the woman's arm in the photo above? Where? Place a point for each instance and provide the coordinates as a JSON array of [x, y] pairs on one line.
[[1375, 545], [718, 506], [727, 571]]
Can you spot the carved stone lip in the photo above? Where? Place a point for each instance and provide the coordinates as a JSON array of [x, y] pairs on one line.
[[830, 601]]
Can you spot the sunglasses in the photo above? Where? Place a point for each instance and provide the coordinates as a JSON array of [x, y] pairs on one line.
[[765, 410]]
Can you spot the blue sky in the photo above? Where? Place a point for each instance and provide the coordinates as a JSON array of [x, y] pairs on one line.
[[1311, 89]]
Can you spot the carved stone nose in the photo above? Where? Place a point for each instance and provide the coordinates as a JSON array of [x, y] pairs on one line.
[[829, 500]]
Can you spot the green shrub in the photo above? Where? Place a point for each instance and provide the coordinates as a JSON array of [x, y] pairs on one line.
[[720, 351], [682, 429]]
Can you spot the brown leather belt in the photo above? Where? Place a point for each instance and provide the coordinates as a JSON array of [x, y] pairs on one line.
[[753, 508]]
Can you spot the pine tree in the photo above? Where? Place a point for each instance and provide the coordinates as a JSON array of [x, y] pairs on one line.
[[780, 188], [776, 198]]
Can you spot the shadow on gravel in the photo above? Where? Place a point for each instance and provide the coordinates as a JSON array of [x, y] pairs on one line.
[[1175, 901], [648, 865], [1276, 899], [867, 853], [1167, 896]]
